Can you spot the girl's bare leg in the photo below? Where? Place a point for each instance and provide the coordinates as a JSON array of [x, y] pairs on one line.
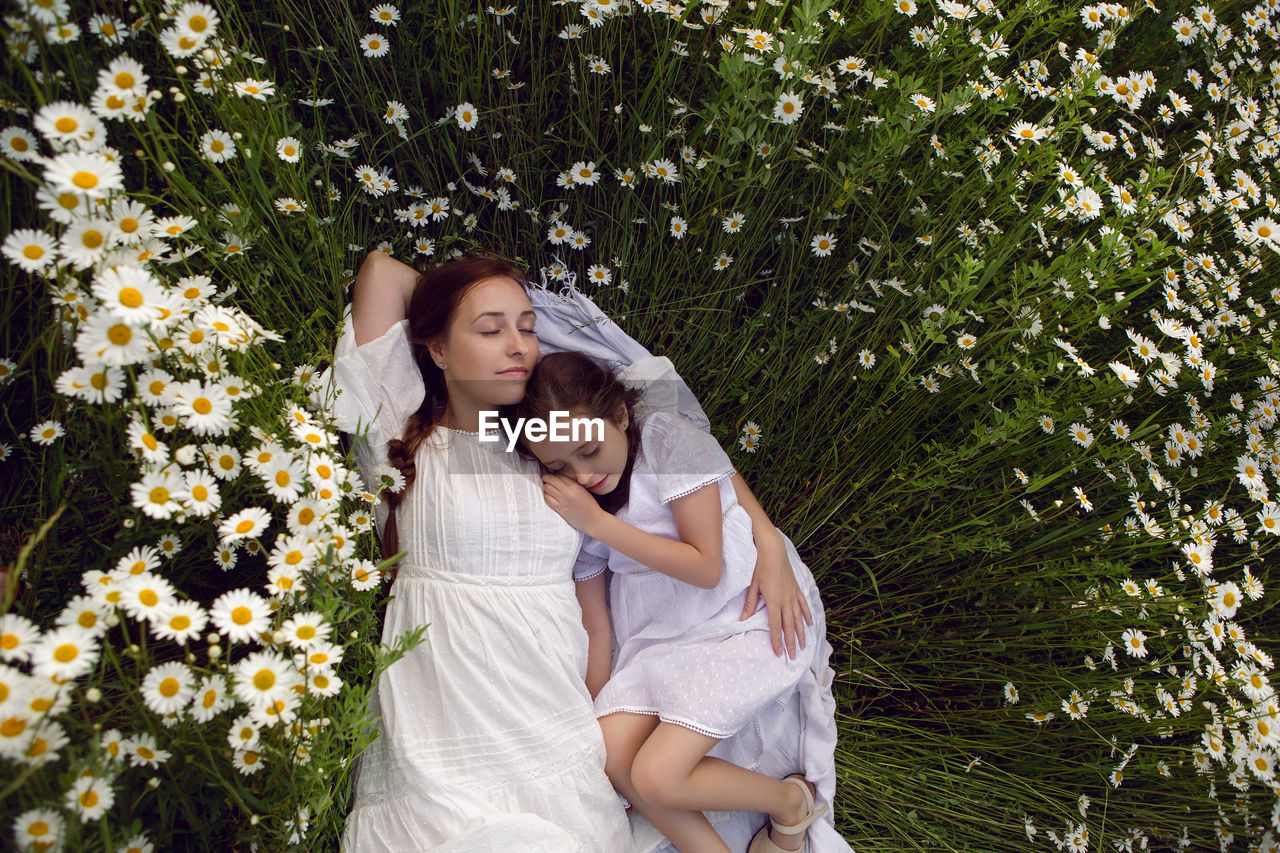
[[672, 770], [624, 737]]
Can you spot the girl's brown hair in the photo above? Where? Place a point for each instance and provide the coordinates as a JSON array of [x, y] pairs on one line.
[[436, 296], [571, 381]]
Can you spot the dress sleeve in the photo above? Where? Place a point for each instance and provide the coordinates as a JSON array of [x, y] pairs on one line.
[[593, 558], [370, 391], [683, 457]]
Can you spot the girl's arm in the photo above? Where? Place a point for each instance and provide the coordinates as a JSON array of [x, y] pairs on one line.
[[785, 604], [595, 618], [380, 295], [696, 558]]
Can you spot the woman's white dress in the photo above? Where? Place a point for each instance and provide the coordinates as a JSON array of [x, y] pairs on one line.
[[684, 654], [486, 738]]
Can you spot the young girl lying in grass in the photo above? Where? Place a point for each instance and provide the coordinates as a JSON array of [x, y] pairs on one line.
[[654, 499]]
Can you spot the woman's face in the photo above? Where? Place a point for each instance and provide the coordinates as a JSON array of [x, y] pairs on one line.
[[490, 347], [597, 464]]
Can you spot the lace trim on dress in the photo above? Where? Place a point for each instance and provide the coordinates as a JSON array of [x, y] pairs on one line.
[[723, 475], [653, 712], [594, 574]]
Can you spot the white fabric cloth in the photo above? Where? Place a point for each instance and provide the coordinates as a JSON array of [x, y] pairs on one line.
[[682, 654], [486, 739], [569, 320]]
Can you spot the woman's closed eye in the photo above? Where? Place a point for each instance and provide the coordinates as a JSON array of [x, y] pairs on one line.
[[499, 331]]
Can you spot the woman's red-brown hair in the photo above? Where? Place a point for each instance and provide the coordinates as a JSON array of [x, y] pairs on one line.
[[436, 296]]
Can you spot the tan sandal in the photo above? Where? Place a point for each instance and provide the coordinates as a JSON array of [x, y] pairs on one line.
[[762, 843]]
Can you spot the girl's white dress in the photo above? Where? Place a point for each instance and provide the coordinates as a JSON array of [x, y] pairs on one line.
[[681, 653], [486, 738]]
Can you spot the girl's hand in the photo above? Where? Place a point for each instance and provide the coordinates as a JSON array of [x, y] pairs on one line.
[[785, 603], [573, 503]]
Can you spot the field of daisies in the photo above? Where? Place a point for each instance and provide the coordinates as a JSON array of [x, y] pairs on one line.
[[981, 296]]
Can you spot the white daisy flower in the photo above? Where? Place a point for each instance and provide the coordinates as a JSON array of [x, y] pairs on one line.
[[296, 553], [263, 678], [365, 575], [201, 495], [323, 683], [179, 621], [86, 611], [788, 108], [1134, 642], [86, 241], [66, 124], [822, 244], [288, 149], [156, 494], [374, 45], [284, 477], [209, 699], [204, 407], [218, 146], [284, 580], [131, 293], [246, 524], [245, 732], [146, 596], [18, 636], [64, 653], [144, 752], [29, 249], [124, 75], [259, 90], [47, 738], [197, 21], [47, 432], [105, 339], [168, 687], [323, 655], [18, 143], [305, 630], [88, 174], [466, 115], [39, 829], [241, 614], [248, 761], [385, 14]]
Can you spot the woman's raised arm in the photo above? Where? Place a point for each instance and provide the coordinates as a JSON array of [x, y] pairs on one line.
[[380, 295]]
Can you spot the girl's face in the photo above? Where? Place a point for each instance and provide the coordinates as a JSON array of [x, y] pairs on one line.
[[490, 347], [597, 465]]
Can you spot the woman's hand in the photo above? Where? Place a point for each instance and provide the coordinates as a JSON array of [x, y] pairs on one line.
[[568, 498], [783, 600]]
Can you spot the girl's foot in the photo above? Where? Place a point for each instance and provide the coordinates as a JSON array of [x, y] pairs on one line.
[[799, 813]]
